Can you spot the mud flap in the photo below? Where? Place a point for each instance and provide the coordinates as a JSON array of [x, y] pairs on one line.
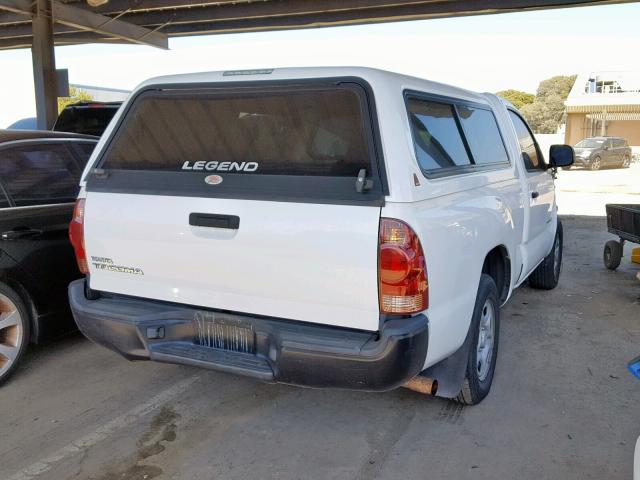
[[450, 372]]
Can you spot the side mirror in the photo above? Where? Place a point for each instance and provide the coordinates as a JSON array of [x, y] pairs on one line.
[[560, 156]]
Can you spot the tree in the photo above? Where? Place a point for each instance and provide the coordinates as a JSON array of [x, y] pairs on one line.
[[76, 95], [547, 111], [517, 98]]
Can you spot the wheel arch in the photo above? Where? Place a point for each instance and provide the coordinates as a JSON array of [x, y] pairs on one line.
[[497, 264]]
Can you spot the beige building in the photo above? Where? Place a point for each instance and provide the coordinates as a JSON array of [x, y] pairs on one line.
[[604, 103]]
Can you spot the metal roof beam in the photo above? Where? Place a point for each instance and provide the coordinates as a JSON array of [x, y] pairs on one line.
[[75, 39], [93, 22], [159, 12], [291, 7], [9, 18], [116, 6], [191, 22], [24, 30], [85, 20]]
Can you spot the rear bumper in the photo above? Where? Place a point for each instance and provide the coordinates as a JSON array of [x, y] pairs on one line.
[[284, 351]]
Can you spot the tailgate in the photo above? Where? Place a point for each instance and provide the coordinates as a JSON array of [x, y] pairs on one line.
[[255, 200]]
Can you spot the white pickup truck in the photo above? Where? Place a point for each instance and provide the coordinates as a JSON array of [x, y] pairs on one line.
[[325, 227]]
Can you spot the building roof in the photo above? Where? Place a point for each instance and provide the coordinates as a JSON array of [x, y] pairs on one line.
[[153, 21], [610, 91]]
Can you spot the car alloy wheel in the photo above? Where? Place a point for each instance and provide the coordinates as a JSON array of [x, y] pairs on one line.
[[596, 164], [11, 333], [484, 347], [557, 258], [626, 161]]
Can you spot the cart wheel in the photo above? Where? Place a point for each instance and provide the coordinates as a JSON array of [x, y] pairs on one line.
[[612, 254]]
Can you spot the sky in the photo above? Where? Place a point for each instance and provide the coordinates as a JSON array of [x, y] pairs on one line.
[[482, 53]]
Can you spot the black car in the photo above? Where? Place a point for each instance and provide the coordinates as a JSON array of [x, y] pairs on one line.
[[597, 152], [39, 176], [88, 118]]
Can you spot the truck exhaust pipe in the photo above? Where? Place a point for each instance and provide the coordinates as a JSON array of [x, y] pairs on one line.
[[424, 385]]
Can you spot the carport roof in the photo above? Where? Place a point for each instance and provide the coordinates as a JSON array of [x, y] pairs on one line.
[[153, 21]]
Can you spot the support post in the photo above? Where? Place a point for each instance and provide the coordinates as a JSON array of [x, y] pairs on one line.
[[603, 125], [44, 65]]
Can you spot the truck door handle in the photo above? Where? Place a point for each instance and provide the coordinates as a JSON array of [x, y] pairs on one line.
[[214, 220], [20, 234], [535, 194]]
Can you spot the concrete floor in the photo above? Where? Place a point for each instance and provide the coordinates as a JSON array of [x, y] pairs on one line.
[[583, 192], [563, 405]]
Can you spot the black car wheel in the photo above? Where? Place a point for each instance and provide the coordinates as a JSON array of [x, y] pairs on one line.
[[612, 254], [483, 353], [14, 330], [626, 161], [547, 274]]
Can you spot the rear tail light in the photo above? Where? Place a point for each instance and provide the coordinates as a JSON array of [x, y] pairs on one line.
[[76, 235], [402, 269]]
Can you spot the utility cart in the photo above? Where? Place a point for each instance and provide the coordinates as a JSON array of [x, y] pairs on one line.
[[623, 221]]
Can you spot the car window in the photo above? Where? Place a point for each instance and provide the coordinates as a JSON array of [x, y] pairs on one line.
[[36, 174], [482, 133], [437, 138], [88, 120], [530, 153], [4, 201], [310, 132], [85, 149], [589, 143]]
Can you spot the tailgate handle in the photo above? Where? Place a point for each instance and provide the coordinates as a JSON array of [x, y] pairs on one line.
[[214, 220]]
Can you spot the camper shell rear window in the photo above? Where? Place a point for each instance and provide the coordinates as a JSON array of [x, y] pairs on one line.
[[309, 139]]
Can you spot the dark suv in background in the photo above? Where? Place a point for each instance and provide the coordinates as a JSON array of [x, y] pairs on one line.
[[597, 152], [88, 118]]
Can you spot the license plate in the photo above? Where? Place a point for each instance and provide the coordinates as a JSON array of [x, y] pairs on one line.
[[216, 331]]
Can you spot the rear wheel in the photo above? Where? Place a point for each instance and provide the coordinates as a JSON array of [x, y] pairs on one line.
[[626, 161], [483, 353], [612, 254], [596, 163], [14, 330], [547, 274]]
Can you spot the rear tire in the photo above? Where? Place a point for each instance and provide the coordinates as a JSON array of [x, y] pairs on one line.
[[14, 330], [483, 352], [596, 164], [626, 161], [612, 254], [547, 274]]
